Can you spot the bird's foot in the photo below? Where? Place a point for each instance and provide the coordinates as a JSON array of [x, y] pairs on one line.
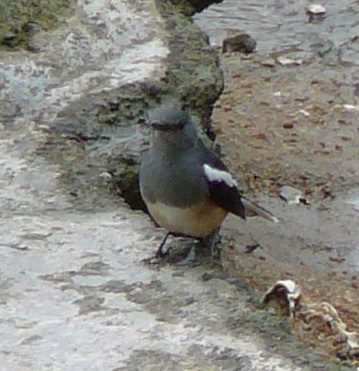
[[189, 259], [211, 247], [160, 254], [159, 257]]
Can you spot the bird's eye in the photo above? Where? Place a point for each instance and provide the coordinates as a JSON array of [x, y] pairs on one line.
[[180, 125]]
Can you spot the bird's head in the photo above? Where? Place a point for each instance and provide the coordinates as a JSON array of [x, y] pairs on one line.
[[172, 126], [168, 119]]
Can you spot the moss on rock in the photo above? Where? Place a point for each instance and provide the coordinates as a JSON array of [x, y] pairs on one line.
[[193, 73], [20, 19]]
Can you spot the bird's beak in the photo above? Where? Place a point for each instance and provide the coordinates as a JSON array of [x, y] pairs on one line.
[[167, 126]]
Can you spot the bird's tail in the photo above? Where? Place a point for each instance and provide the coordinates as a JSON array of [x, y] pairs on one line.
[[253, 209]]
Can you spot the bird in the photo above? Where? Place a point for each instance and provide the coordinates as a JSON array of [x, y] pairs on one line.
[[187, 188]]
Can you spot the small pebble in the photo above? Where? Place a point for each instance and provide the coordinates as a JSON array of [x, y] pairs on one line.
[[240, 42], [304, 112], [284, 61], [268, 62], [351, 107], [316, 9], [291, 195]]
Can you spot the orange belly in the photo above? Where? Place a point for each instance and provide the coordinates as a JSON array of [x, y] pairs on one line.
[[199, 221]]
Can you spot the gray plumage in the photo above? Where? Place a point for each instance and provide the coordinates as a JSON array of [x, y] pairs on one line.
[[180, 172], [169, 172]]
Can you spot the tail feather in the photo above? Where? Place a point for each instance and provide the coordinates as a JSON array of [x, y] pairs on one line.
[[253, 209]]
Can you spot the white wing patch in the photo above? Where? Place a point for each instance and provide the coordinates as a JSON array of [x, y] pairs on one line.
[[215, 175]]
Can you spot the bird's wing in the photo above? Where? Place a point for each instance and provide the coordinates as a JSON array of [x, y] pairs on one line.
[[222, 187], [224, 192]]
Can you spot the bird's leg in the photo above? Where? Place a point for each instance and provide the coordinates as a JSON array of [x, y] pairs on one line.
[[160, 253], [215, 240], [213, 243], [190, 258]]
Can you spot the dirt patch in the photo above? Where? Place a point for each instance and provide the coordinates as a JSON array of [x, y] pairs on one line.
[[288, 125], [294, 125]]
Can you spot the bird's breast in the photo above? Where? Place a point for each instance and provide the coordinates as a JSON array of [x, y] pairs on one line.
[[196, 221]]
